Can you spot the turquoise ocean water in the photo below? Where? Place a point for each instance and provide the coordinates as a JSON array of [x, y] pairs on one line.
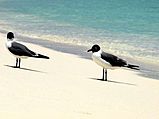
[[124, 27]]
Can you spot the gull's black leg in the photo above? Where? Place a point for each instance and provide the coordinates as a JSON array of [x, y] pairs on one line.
[[103, 74], [106, 75], [19, 62], [16, 63]]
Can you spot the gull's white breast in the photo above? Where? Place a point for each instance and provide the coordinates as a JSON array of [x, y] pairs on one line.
[[96, 56]]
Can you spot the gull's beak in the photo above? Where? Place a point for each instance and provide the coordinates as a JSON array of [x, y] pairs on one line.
[[89, 50]]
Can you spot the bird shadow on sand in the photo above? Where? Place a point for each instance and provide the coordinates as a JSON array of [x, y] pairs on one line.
[[25, 69], [117, 82]]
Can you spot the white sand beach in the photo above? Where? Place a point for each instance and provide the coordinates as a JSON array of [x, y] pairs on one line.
[[67, 87]]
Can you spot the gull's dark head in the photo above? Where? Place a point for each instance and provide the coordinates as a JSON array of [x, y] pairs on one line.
[[10, 35], [95, 48]]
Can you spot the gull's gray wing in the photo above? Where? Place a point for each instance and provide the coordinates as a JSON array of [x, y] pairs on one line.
[[20, 50], [113, 60]]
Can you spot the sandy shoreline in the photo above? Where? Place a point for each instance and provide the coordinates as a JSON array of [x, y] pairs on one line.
[[147, 69], [66, 87]]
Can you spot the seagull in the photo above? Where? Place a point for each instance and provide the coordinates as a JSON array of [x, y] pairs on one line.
[[108, 61], [19, 50]]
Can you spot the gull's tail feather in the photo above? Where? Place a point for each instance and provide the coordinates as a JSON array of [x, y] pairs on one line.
[[133, 67], [41, 56]]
